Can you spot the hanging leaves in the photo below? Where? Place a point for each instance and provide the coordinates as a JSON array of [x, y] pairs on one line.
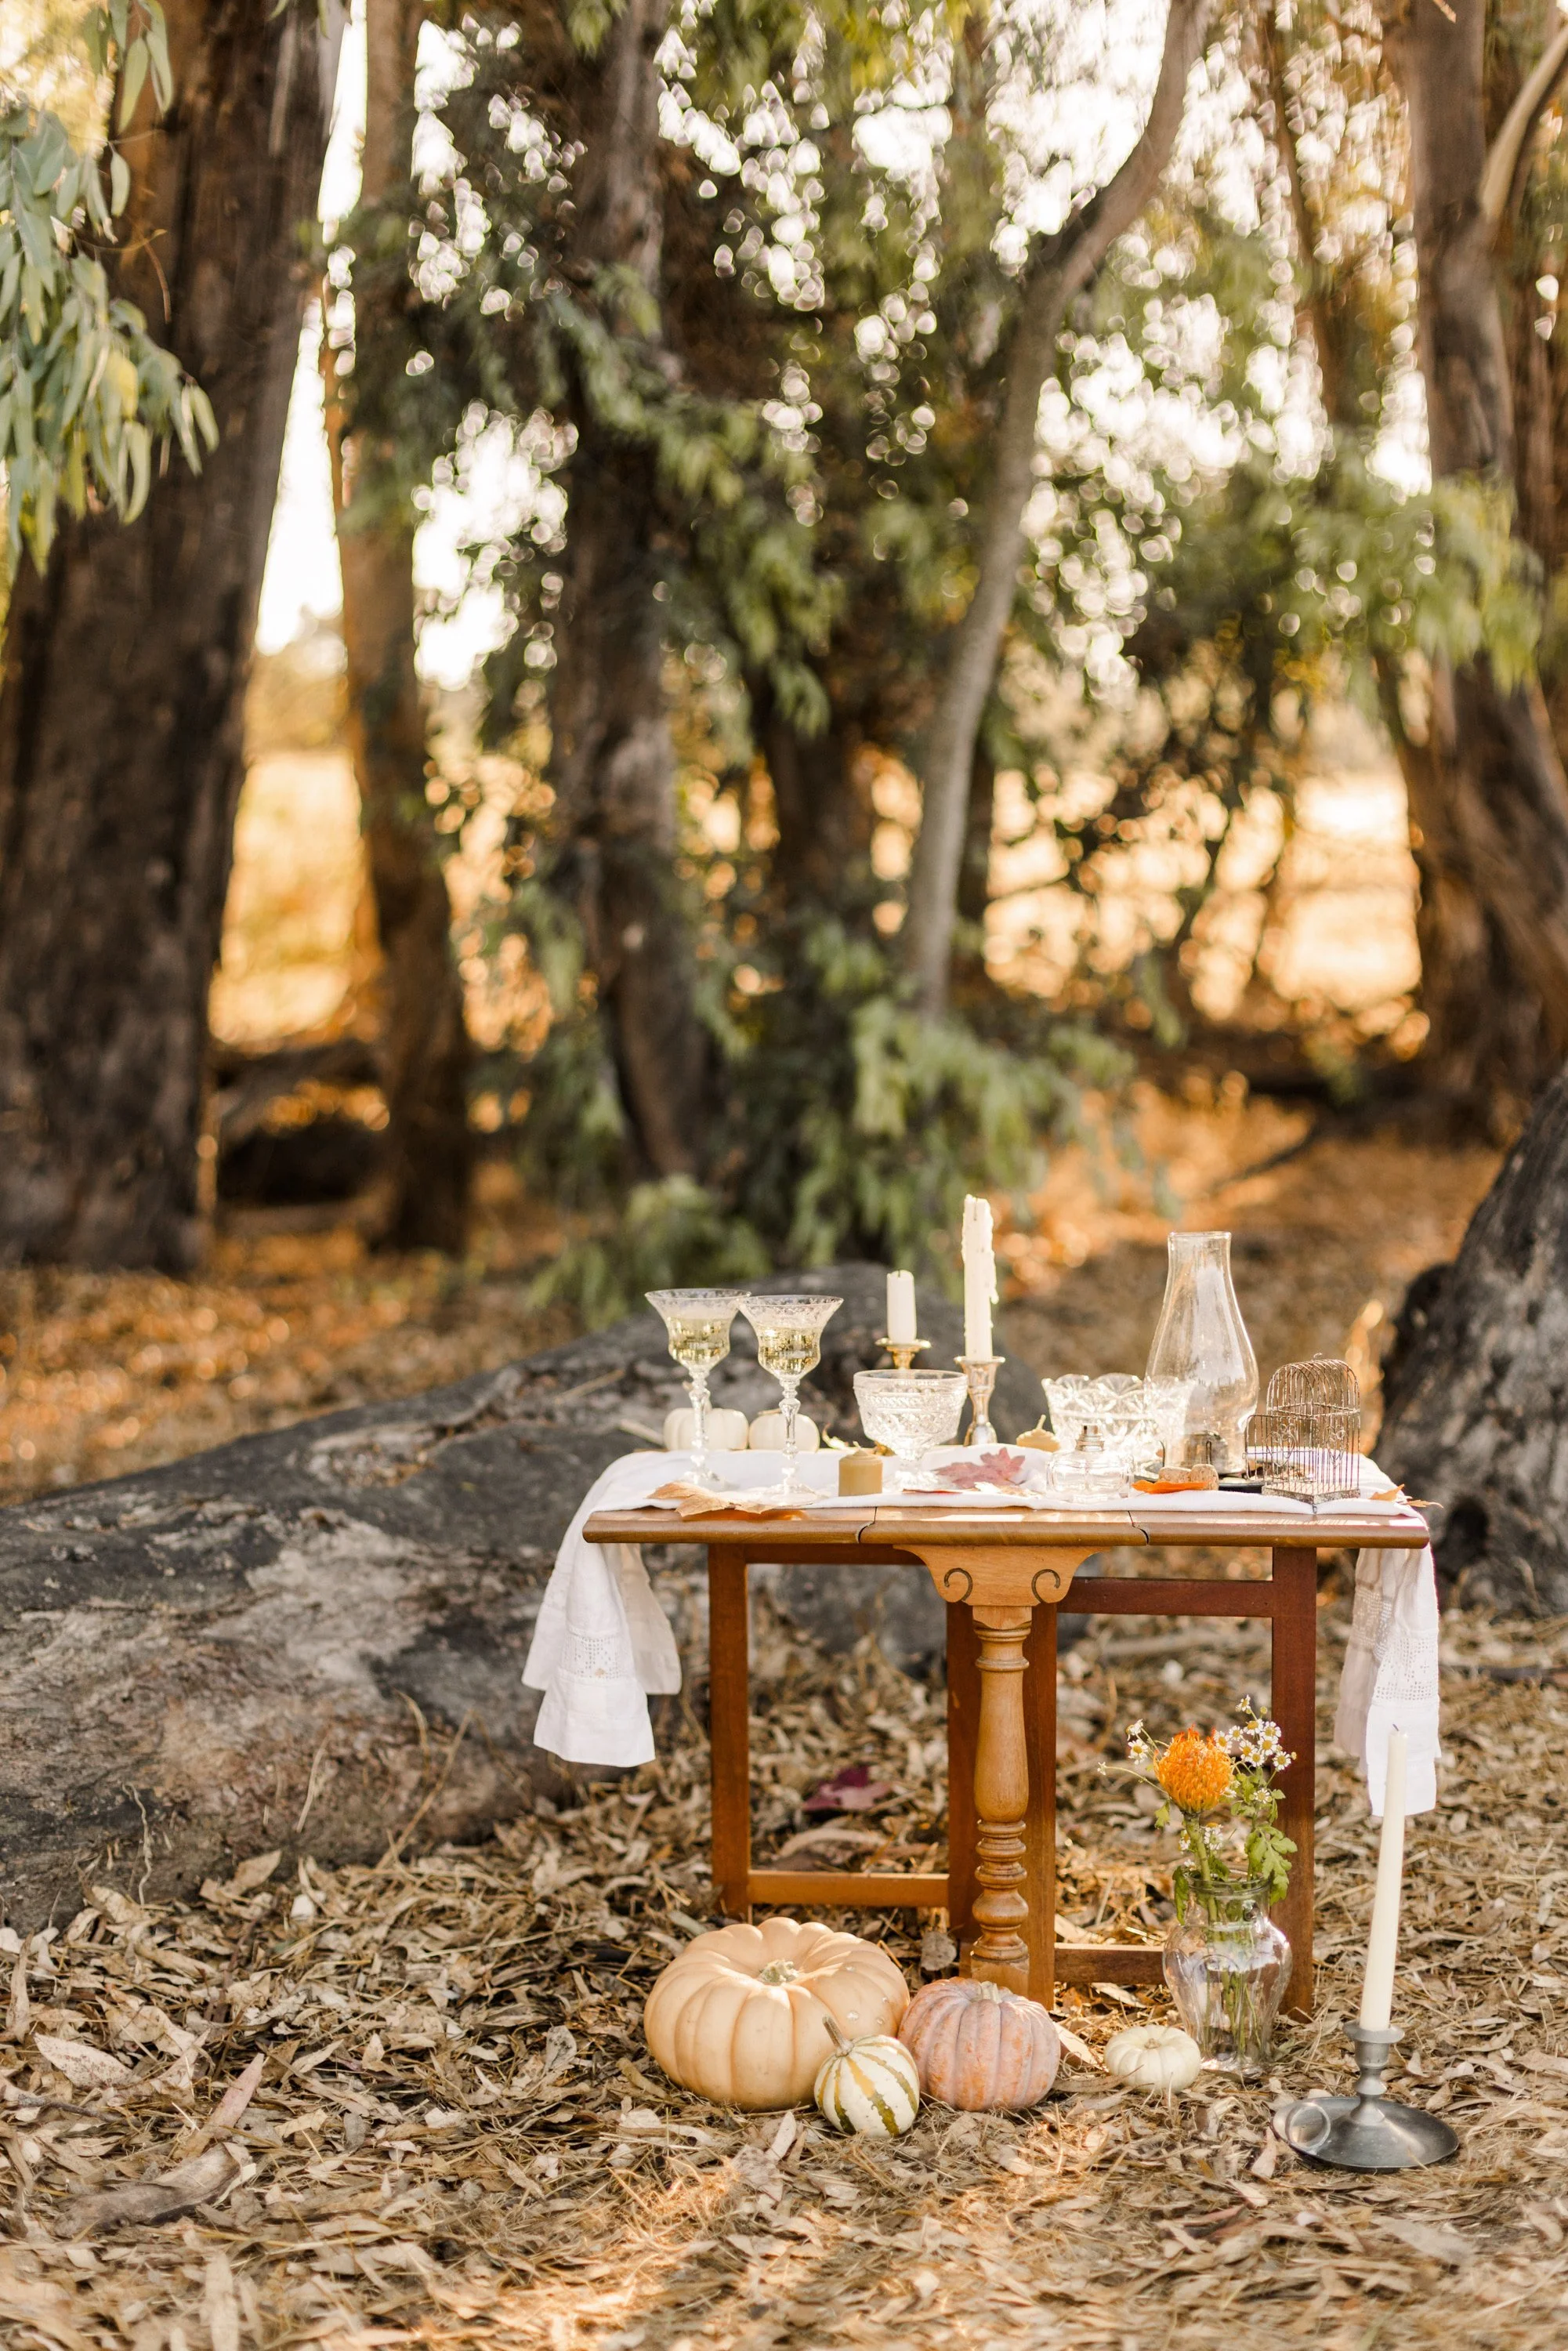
[[87, 397]]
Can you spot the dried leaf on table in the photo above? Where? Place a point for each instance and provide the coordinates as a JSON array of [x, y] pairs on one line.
[[699, 1503]]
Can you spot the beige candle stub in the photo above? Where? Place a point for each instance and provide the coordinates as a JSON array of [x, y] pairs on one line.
[[860, 1473]]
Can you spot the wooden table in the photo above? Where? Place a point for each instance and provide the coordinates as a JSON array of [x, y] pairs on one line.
[[1004, 1574]]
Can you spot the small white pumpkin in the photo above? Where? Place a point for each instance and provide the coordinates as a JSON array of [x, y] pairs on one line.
[[870, 2088], [727, 1432], [768, 1433], [1154, 2057]]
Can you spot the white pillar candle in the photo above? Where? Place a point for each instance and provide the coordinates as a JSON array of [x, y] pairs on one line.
[[1377, 1985], [979, 1278], [901, 1323]]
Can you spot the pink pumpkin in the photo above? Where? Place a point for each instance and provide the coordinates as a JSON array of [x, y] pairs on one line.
[[978, 2046]]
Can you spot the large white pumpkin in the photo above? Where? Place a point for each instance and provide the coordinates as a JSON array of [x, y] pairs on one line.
[[740, 2015]]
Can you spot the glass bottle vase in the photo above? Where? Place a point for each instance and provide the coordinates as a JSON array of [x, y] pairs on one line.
[[1201, 1338], [1228, 1966]]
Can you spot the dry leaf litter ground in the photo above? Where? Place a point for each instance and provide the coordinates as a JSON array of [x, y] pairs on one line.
[[457, 2136]]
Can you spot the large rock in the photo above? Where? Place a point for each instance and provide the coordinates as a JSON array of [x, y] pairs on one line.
[[276, 1643], [1474, 1396]]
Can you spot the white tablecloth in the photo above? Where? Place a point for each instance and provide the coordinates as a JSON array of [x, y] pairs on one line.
[[603, 1644]]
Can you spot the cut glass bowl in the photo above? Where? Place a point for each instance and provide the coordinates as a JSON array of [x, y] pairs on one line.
[[910, 1412]]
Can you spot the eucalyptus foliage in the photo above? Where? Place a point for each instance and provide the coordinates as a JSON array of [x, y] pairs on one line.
[[1219, 539], [88, 399]]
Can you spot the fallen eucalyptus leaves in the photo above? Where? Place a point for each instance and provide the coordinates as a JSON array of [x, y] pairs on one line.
[[425, 2116]]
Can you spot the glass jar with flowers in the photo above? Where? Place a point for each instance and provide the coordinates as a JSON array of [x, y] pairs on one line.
[[1225, 1962]]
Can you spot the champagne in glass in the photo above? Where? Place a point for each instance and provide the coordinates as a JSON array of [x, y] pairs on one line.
[[788, 1346], [697, 1324]]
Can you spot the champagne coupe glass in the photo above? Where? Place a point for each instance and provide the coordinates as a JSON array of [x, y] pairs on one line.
[[789, 1344], [697, 1324]]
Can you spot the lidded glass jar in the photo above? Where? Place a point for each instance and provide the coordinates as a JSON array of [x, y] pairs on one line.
[[1201, 1338]]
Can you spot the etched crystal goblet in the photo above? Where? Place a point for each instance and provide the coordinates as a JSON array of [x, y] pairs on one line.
[[698, 1325], [788, 1346]]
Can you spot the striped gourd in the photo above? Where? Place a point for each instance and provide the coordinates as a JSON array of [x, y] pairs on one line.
[[870, 2086]]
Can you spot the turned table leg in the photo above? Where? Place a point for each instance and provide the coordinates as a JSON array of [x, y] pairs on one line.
[[1001, 1801]]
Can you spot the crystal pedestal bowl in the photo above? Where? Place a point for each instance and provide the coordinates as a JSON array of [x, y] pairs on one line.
[[909, 1411]]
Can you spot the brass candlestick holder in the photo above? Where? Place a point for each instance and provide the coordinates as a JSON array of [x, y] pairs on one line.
[[981, 1370], [904, 1352], [1368, 2132]]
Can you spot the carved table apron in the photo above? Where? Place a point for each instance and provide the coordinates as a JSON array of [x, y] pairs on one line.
[[1004, 1575]]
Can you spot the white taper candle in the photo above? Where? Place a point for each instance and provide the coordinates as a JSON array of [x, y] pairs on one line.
[[901, 1323], [1383, 1943], [979, 1278]]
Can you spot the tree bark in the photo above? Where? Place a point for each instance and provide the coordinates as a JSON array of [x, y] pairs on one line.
[[428, 1161], [612, 765], [1487, 1048], [124, 675], [1058, 270], [822, 808], [1473, 1411], [974, 892], [1490, 799]]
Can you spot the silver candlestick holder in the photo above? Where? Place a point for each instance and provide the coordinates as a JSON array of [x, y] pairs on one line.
[[981, 1370], [1368, 2132]]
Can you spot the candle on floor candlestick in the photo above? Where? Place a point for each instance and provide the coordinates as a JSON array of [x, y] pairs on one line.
[[979, 1280], [901, 1323], [1377, 1985]]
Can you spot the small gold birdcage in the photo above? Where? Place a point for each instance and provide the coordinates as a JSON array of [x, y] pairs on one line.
[[1305, 1442]]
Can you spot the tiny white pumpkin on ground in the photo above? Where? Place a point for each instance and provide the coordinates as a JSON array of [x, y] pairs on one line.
[[1154, 2057], [870, 2088]]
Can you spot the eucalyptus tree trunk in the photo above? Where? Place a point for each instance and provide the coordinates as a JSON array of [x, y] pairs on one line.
[[1489, 1045], [612, 765], [822, 807], [425, 1053], [1058, 269], [125, 668], [1488, 792]]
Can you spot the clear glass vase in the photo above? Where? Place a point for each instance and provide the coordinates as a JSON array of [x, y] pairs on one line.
[[1227, 1966], [1200, 1338]]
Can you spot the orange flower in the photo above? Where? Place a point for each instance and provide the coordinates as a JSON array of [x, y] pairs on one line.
[[1195, 1772]]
